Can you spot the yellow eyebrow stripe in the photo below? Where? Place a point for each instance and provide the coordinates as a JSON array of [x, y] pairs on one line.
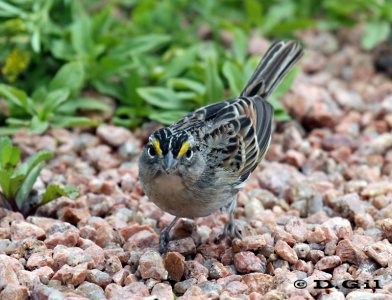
[[157, 147], [184, 149]]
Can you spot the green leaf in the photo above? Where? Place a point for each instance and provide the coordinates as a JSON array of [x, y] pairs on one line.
[[109, 66], [69, 76], [254, 11], [4, 131], [55, 98], [9, 155], [16, 96], [130, 95], [62, 50], [235, 78], [6, 151], [108, 88], [33, 161], [17, 122], [5, 177], [140, 44], [167, 117], [214, 85], [70, 121], [81, 38], [15, 156], [8, 10], [292, 25], [36, 41], [38, 126], [240, 46], [28, 183], [186, 84], [374, 33], [54, 191], [181, 61], [85, 103], [72, 191], [161, 97], [286, 83], [15, 185], [276, 14]]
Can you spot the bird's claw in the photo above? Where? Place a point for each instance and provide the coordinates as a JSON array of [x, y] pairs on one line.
[[230, 230], [163, 241]]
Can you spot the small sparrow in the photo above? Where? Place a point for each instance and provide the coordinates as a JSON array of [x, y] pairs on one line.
[[197, 165]]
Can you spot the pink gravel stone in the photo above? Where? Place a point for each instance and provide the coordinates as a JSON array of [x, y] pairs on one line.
[[348, 252], [21, 230], [317, 275], [68, 238], [14, 292], [142, 239], [151, 266], [194, 269], [175, 265], [236, 288], [134, 290], [184, 246], [258, 282], [71, 275], [132, 229], [380, 252], [106, 235], [121, 275], [162, 291], [8, 268], [218, 270], [277, 177], [71, 256], [97, 254], [113, 265], [386, 227], [40, 259], [246, 262], [44, 273], [328, 262], [249, 243], [297, 228], [28, 279], [316, 235], [114, 136], [286, 252], [98, 277], [74, 215]]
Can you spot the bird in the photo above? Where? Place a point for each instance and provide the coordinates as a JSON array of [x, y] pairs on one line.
[[197, 165]]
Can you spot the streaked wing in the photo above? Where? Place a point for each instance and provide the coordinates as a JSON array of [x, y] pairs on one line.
[[240, 134], [198, 118]]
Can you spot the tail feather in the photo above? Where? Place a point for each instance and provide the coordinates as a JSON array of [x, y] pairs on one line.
[[274, 65]]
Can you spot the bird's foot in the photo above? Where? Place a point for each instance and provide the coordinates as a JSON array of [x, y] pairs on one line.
[[230, 230], [163, 241], [165, 237]]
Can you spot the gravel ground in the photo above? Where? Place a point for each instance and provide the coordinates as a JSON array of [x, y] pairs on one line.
[[319, 207]]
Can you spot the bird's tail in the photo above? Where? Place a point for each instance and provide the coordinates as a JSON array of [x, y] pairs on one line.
[[274, 65]]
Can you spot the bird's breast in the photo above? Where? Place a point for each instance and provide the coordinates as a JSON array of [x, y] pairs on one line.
[[170, 194]]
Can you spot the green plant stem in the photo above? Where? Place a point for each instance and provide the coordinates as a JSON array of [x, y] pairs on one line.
[[11, 204]]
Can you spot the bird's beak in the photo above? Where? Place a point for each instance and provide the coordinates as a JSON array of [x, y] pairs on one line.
[[169, 161]]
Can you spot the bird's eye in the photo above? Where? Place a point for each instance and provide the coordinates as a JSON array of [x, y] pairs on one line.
[[189, 154], [151, 151]]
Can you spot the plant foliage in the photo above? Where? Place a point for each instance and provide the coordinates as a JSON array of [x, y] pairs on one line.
[[17, 180], [156, 59]]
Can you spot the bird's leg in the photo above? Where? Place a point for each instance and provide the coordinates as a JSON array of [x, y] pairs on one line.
[[230, 229], [164, 237]]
